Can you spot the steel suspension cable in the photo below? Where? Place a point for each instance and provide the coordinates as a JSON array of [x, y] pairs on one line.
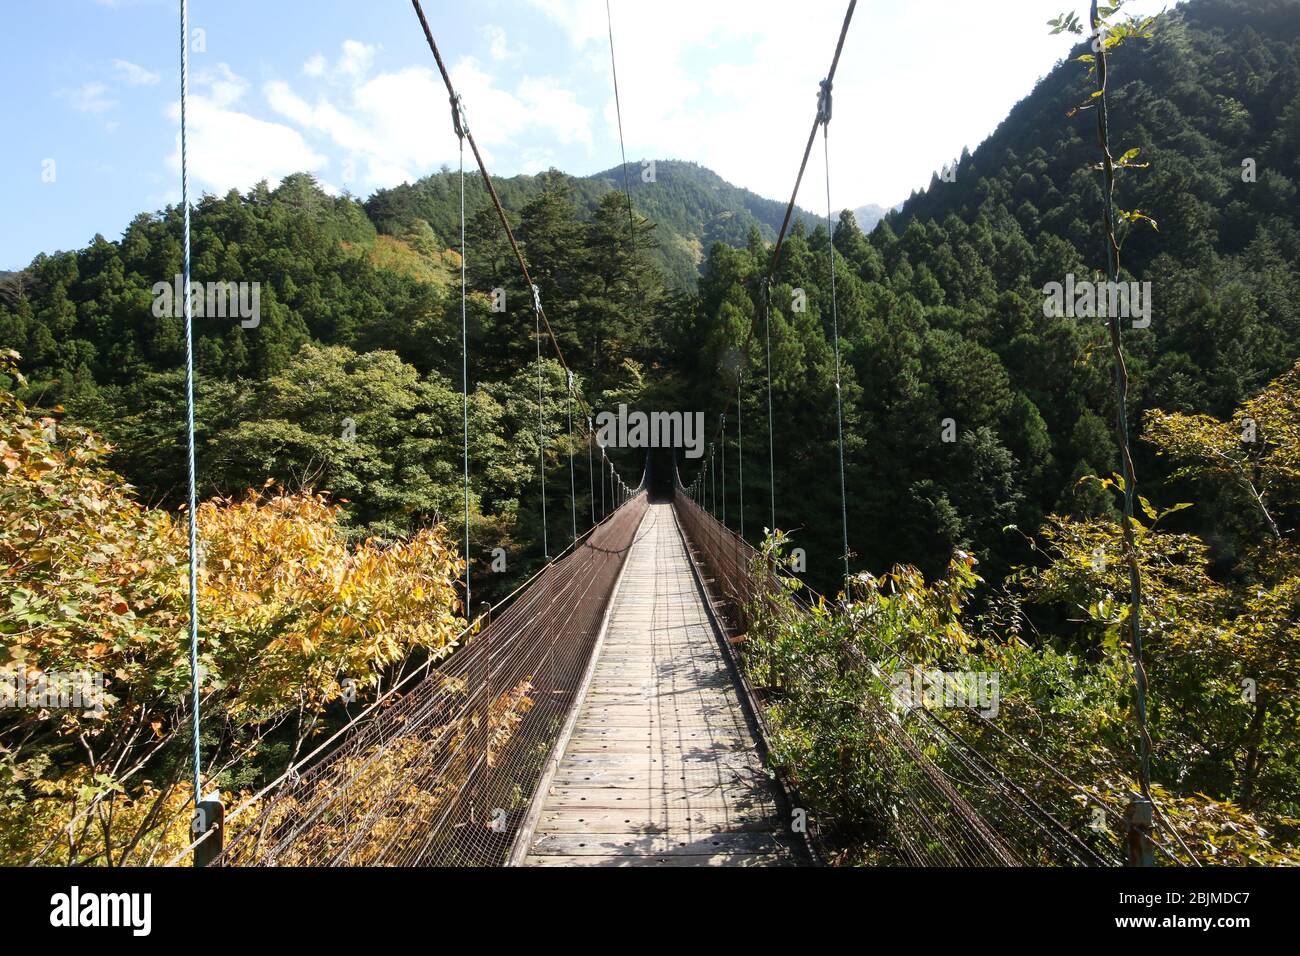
[[713, 477], [195, 677], [539, 311], [740, 454], [591, 474], [573, 494], [767, 338], [458, 119], [541, 415], [494, 197], [618, 111], [835, 329], [766, 282], [724, 469]]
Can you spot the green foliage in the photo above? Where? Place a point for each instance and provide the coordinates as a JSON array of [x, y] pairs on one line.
[[691, 207], [96, 584]]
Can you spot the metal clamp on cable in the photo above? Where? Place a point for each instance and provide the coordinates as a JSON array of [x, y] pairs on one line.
[[824, 103], [457, 115]]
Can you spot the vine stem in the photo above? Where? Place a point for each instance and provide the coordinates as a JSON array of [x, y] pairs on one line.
[[1121, 414]]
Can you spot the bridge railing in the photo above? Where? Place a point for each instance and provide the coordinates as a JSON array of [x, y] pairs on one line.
[[443, 773], [937, 799]]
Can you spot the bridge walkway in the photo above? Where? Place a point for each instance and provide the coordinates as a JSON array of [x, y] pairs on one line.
[[662, 766]]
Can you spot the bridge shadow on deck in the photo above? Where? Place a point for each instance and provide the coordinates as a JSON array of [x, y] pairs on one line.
[[663, 766]]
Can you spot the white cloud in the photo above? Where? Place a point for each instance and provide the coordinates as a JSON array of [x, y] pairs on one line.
[[231, 149], [393, 126], [93, 97], [133, 74], [564, 115], [315, 66], [499, 49], [356, 60], [737, 90]]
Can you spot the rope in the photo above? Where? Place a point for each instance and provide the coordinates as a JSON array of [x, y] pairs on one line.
[[740, 455], [824, 110], [457, 109], [825, 86], [713, 477], [491, 188], [767, 337], [765, 288], [573, 495], [724, 469], [541, 436], [591, 477], [540, 313], [189, 404], [618, 110]]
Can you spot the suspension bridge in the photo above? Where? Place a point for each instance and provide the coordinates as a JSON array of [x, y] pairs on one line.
[[602, 714]]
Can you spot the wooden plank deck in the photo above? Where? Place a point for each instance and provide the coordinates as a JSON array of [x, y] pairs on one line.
[[662, 767]]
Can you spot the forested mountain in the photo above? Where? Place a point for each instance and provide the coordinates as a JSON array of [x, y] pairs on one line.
[[869, 216], [691, 207], [978, 424], [941, 308]]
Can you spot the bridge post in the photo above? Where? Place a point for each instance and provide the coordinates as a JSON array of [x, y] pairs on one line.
[[1138, 820], [209, 817], [478, 795]]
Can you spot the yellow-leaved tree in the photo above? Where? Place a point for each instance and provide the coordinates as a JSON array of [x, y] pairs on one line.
[[94, 592]]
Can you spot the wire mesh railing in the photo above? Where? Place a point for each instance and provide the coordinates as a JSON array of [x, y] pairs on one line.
[[933, 799], [443, 774]]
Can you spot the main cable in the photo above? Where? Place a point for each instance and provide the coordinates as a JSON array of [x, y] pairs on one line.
[[591, 475], [740, 453], [195, 677], [583, 405], [458, 119], [541, 416], [766, 282], [835, 329], [618, 111], [573, 494]]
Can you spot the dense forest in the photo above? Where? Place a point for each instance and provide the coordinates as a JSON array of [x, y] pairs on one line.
[[976, 424]]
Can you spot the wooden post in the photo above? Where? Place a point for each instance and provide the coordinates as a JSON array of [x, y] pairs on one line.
[[209, 817], [1138, 820]]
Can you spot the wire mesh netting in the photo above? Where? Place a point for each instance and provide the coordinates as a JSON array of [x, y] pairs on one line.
[[444, 773], [935, 799]]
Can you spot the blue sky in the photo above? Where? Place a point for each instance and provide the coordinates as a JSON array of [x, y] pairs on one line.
[[347, 89]]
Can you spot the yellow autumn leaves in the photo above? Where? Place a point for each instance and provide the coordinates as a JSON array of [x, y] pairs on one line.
[[293, 615]]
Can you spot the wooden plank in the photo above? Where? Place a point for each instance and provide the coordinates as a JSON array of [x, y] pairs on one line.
[[721, 859], [661, 767], [583, 744], [667, 783], [577, 800], [697, 820], [658, 844], [687, 761]]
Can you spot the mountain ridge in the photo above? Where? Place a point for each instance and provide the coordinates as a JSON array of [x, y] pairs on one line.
[[691, 206]]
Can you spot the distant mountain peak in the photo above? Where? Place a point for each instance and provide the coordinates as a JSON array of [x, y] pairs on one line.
[[691, 205]]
